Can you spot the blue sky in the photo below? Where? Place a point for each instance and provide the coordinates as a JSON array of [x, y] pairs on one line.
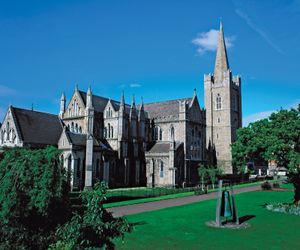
[[158, 49]]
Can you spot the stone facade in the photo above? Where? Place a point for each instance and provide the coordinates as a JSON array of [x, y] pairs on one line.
[[153, 144], [223, 107]]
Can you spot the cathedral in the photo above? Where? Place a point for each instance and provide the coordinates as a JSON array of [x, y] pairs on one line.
[[145, 144]]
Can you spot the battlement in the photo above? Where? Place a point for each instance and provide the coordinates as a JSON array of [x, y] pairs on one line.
[[236, 80]]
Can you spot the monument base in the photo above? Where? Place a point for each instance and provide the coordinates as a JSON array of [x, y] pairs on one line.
[[229, 225]]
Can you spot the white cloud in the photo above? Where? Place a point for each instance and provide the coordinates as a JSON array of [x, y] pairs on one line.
[[258, 30], [135, 85], [265, 114], [208, 41], [4, 90], [256, 117]]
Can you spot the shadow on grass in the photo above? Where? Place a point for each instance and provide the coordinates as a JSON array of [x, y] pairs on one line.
[[139, 223], [246, 218]]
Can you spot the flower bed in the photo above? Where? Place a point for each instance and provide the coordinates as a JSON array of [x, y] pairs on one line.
[[284, 208]]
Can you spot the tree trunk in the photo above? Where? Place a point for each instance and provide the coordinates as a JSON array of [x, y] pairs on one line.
[[296, 192]]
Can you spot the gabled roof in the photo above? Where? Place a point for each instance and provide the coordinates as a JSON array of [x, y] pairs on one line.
[[162, 147], [37, 127], [164, 108], [80, 140], [100, 102]]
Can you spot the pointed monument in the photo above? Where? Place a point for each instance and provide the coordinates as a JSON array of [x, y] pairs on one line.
[[221, 64]]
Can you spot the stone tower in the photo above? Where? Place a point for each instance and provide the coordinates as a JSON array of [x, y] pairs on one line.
[[62, 105], [223, 107], [89, 119]]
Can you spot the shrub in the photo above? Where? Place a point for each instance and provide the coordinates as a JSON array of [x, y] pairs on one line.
[[276, 185], [266, 186], [33, 197], [95, 227]]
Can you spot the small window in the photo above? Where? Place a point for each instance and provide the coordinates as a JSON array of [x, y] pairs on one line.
[[172, 133], [105, 132], [218, 102], [219, 120], [161, 172]]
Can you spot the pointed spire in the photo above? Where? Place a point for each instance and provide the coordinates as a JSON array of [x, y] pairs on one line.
[[76, 87], [122, 103], [142, 103], [89, 98], [133, 102], [221, 64], [63, 96], [195, 92]]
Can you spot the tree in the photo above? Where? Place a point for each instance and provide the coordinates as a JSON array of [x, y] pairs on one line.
[[33, 197], [213, 172], [202, 172], [276, 138], [95, 227]]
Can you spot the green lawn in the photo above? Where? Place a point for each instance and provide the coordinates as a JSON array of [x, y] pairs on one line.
[[163, 197], [184, 227]]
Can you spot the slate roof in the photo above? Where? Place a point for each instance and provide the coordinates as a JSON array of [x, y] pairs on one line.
[[37, 127], [100, 102], [164, 108], [80, 140], [162, 147]]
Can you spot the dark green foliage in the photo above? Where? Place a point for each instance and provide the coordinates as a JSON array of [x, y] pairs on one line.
[[33, 197], [276, 138], [266, 186], [95, 227]]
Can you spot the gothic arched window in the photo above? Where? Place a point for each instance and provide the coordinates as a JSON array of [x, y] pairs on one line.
[[218, 102], [172, 133], [105, 132], [7, 131], [108, 130], [161, 172], [112, 132], [72, 127], [160, 134], [76, 128]]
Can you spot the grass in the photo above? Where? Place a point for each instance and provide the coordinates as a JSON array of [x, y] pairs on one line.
[[165, 197], [184, 227]]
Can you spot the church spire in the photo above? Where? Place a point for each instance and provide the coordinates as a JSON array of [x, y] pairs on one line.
[[221, 65]]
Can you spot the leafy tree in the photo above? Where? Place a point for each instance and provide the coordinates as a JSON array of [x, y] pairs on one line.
[[276, 138], [33, 197], [213, 172], [95, 227], [202, 172]]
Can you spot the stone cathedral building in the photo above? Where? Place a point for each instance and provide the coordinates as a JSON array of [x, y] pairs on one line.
[[153, 144]]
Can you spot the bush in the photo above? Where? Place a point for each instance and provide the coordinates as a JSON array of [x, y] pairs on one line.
[[200, 191], [266, 186], [33, 197], [95, 227], [276, 185]]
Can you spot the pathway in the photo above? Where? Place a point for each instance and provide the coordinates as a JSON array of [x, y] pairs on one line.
[[156, 205]]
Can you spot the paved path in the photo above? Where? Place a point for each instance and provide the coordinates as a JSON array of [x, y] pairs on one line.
[[156, 205]]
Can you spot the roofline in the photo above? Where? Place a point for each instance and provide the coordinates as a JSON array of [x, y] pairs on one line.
[[180, 99], [42, 112]]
